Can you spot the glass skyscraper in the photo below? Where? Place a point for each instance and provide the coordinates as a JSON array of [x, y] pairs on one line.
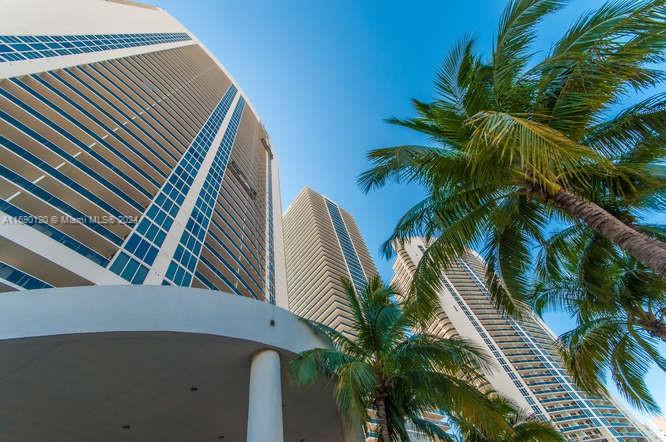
[[129, 156], [528, 369], [141, 256], [323, 245]]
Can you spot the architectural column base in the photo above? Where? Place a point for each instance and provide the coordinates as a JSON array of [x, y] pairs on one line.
[[264, 417]]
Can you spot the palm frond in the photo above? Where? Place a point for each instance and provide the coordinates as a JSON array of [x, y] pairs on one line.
[[355, 384], [401, 164], [529, 146], [607, 344], [602, 55], [450, 82], [537, 431], [457, 397], [447, 354], [506, 138], [317, 362], [432, 430], [517, 31], [339, 340], [620, 135]]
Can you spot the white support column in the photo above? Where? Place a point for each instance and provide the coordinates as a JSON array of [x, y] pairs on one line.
[[264, 417]]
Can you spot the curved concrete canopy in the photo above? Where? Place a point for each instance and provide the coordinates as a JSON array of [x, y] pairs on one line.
[[147, 363]]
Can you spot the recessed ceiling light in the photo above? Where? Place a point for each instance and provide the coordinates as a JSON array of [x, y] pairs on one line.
[[194, 388], [126, 426]]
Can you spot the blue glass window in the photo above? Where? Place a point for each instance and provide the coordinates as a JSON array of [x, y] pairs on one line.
[[19, 48], [157, 221], [347, 246], [191, 241], [20, 278]]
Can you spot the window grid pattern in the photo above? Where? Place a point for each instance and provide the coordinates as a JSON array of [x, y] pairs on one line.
[[125, 84], [29, 47], [109, 130], [234, 271], [63, 153], [499, 356], [182, 267], [551, 368], [236, 252], [140, 249], [62, 81], [347, 246], [60, 204], [35, 160], [20, 278], [53, 233], [271, 255]]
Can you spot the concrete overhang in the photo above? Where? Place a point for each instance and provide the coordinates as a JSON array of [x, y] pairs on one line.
[[147, 363]]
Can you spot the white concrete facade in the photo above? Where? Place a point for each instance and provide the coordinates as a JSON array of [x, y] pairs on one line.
[[281, 297], [54, 251], [264, 416], [527, 368], [47, 17], [102, 130], [222, 351], [44, 17], [498, 378]]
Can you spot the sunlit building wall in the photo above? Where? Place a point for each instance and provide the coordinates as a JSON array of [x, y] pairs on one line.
[[528, 368], [323, 246], [128, 155]]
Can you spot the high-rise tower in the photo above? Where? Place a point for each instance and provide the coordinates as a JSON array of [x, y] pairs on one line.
[[323, 245], [128, 155], [528, 368], [139, 204]]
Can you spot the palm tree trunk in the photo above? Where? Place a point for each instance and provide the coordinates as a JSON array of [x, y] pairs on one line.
[[380, 403], [650, 252]]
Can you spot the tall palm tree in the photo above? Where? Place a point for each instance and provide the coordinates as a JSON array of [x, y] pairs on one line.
[[397, 371], [524, 428], [521, 141], [620, 312]]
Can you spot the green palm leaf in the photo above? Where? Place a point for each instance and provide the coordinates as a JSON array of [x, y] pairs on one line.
[[410, 372]]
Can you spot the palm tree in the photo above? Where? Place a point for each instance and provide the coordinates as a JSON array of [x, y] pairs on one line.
[[620, 312], [524, 428], [397, 371], [520, 142]]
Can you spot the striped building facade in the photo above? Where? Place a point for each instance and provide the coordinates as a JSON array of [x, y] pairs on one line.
[[128, 155], [528, 368], [323, 245]]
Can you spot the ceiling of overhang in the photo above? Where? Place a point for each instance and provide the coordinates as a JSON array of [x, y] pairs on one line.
[[144, 386]]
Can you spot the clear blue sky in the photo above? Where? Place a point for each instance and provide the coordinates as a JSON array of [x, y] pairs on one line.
[[323, 76]]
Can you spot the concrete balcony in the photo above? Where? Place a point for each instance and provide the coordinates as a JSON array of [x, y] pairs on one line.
[[152, 363]]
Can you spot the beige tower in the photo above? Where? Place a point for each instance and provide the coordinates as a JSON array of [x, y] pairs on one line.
[[527, 366], [129, 155], [323, 245]]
